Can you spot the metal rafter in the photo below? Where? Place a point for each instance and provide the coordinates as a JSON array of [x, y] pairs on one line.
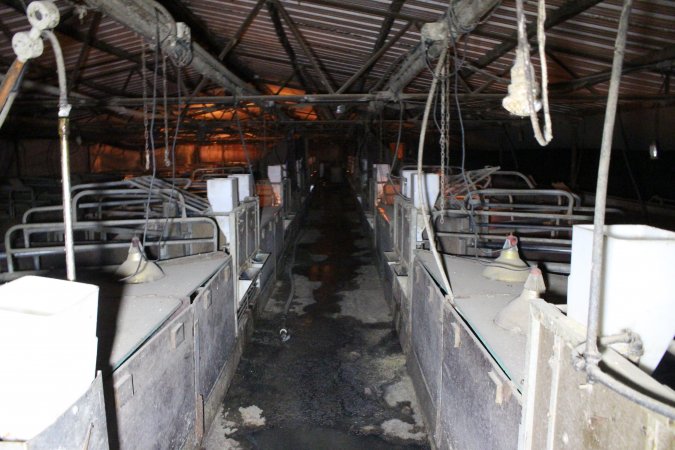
[[201, 33], [305, 81], [71, 32], [141, 17], [472, 99], [661, 59], [367, 10], [362, 73], [394, 7], [306, 49], [564, 67], [462, 16], [84, 51], [286, 44], [239, 34], [568, 10]]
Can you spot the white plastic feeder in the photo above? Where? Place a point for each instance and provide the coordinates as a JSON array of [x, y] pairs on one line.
[[245, 185], [48, 349], [637, 287], [223, 196], [432, 184], [407, 182], [274, 173], [381, 172]]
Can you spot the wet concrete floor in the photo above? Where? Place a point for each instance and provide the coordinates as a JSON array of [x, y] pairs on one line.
[[340, 381]]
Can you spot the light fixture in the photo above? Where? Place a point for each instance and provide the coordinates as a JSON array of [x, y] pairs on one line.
[[653, 150], [340, 109]]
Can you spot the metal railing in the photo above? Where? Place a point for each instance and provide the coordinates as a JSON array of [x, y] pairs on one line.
[[107, 234]]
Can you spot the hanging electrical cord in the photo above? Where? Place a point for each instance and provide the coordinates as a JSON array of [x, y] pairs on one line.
[[421, 185], [181, 108], [284, 333], [167, 160], [629, 169], [150, 159], [243, 141], [523, 89], [457, 66], [145, 107], [398, 143], [151, 135]]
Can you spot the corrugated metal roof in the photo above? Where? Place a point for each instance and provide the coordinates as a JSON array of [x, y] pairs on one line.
[[342, 35]]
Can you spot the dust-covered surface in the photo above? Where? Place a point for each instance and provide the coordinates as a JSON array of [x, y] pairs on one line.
[[398, 429], [252, 416], [220, 432], [340, 381]]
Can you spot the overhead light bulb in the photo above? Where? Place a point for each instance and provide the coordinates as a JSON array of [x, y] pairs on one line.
[[653, 150]]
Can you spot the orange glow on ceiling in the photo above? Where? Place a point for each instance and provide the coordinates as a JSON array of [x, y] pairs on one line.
[[250, 112], [301, 112], [285, 91]]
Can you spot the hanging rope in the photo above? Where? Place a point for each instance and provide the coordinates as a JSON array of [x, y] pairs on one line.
[[523, 89]]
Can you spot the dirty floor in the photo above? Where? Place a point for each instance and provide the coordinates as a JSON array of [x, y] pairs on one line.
[[340, 381]]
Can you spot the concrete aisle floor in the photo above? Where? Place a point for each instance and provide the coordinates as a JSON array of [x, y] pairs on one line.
[[340, 381]]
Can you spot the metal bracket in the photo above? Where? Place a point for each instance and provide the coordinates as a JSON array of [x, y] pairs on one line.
[[124, 389], [456, 333], [207, 298], [499, 387], [177, 335]]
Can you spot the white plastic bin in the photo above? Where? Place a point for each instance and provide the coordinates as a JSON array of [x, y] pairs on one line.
[[275, 173], [638, 288], [432, 184], [407, 182], [245, 185], [48, 351], [381, 172], [223, 196]]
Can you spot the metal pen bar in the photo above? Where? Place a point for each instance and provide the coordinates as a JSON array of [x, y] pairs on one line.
[[98, 226]]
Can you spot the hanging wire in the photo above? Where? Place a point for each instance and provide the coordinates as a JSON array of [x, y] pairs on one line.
[[421, 185], [181, 108], [458, 63], [145, 107], [398, 143], [153, 160], [243, 141], [167, 161], [150, 149]]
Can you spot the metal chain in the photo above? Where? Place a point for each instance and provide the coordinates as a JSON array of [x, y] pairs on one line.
[[447, 114], [443, 138], [146, 133]]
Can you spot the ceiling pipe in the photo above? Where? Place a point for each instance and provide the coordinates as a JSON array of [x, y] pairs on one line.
[[141, 16], [387, 98], [75, 97], [461, 18]]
